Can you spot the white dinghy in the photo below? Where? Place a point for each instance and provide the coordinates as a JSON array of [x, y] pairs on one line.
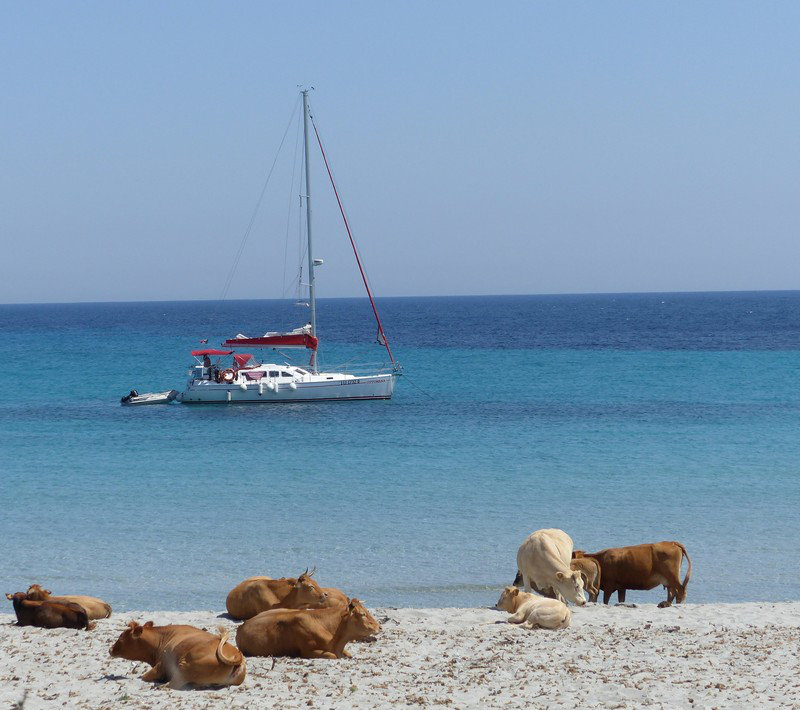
[[135, 399]]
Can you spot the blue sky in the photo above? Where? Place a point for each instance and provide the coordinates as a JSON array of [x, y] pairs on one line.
[[480, 148]]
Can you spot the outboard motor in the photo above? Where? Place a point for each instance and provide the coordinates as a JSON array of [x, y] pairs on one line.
[[129, 397]]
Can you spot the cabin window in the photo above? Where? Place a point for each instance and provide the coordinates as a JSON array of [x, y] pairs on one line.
[[301, 371], [273, 373], [285, 374]]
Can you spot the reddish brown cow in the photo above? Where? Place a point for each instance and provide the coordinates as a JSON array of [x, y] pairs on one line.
[[182, 655], [258, 594], [47, 614], [642, 567], [590, 571], [308, 633]]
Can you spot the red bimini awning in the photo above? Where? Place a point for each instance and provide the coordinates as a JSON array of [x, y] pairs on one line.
[[241, 359], [301, 340], [207, 351]]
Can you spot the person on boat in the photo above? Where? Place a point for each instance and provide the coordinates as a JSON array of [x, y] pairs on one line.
[[207, 365]]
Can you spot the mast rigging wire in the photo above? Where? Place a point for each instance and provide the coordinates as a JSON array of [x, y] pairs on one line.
[[247, 231], [381, 332]]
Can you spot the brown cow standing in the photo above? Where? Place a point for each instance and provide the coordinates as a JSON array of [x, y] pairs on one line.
[[590, 571], [307, 633], [642, 567], [49, 615], [182, 655], [95, 608]]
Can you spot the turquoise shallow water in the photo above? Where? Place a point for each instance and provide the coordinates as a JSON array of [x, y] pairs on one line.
[[619, 419]]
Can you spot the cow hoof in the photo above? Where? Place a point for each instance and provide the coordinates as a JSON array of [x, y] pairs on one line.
[[627, 606], [664, 605]]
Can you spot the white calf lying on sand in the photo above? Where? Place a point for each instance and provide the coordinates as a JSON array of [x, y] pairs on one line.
[[533, 611]]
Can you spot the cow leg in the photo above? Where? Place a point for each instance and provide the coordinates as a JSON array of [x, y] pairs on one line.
[[155, 674], [673, 586], [607, 595], [518, 617], [671, 593], [593, 594], [526, 583], [318, 653], [621, 596]]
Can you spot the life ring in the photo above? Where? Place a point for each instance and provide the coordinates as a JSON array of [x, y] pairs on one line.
[[227, 376]]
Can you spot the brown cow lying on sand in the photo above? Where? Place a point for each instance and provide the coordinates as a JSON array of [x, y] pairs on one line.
[[95, 608], [642, 567], [533, 611], [258, 594], [49, 614], [590, 571], [182, 655], [307, 633]]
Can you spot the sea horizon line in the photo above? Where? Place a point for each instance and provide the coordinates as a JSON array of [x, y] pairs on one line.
[[565, 294]]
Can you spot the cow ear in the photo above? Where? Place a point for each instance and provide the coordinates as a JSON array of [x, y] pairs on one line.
[[9, 596], [560, 575], [514, 591], [148, 625], [47, 591]]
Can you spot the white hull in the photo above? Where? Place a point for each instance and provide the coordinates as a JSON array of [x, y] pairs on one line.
[[325, 389]]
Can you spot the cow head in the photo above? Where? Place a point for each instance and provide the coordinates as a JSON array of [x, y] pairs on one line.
[[360, 623], [577, 554], [307, 591], [37, 594], [134, 644], [508, 600], [17, 597], [570, 586]]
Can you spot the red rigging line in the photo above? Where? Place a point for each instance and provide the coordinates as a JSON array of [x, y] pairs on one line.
[[385, 342]]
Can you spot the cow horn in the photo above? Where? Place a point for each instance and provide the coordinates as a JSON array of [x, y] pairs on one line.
[[311, 573]]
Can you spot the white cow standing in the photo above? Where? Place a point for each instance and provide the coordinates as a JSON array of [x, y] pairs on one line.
[[543, 558]]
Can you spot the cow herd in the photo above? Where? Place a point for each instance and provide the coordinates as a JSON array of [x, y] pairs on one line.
[[548, 564], [295, 616]]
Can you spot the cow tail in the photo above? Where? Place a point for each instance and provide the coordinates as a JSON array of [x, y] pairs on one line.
[[689, 560], [223, 638]]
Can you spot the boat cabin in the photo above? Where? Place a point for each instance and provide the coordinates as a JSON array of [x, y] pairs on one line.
[[241, 368]]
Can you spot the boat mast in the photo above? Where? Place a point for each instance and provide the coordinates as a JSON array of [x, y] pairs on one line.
[[311, 295]]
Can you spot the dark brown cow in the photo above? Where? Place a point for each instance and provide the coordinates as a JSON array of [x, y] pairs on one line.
[[95, 608], [47, 614], [642, 567]]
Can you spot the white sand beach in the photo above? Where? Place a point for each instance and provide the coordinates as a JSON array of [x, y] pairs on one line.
[[706, 655]]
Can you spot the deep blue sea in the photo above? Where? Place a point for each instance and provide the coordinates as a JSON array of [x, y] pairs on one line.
[[619, 418]]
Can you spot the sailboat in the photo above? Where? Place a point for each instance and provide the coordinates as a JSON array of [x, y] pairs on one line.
[[245, 380]]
